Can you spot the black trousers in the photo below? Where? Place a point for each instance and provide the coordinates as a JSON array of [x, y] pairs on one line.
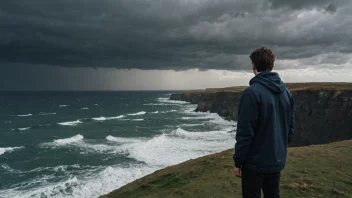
[[254, 182]]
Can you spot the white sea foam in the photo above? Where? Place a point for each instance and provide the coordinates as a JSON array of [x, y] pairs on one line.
[[92, 184], [222, 122], [155, 112], [100, 118], [169, 111], [84, 108], [60, 168], [84, 147], [71, 123], [7, 168], [192, 125], [43, 113], [219, 135], [88, 148], [69, 140], [198, 118], [108, 118], [165, 150], [167, 100], [190, 111], [201, 116], [138, 120], [25, 115], [9, 149], [117, 117], [61, 106], [154, 104], [123, 140], [23, 129], [139, 113]]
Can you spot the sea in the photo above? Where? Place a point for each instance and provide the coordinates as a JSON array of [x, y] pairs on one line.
[[87, 144]]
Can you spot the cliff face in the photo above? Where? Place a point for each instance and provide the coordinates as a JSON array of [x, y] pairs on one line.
[[193, 98], [223, 103], [322, 115]]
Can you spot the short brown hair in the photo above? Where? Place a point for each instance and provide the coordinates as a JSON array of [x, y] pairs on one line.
[[263, 59]]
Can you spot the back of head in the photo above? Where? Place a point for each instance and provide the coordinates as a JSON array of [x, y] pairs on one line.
[[263, 59]]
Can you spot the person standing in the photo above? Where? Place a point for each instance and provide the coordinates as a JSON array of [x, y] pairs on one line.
[[266, 121]]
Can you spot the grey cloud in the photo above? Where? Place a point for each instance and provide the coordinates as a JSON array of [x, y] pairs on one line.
[[169, 34], [304, 4], [331, 8]]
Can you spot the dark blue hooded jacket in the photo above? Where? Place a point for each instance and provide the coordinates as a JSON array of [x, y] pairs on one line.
[[265, 124]]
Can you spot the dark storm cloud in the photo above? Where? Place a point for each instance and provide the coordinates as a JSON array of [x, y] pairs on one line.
[[169, 34]]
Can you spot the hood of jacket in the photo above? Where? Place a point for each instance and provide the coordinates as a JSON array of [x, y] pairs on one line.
[[270, 80]]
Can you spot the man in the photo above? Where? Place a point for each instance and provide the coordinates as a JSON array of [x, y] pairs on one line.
[[266, 120]]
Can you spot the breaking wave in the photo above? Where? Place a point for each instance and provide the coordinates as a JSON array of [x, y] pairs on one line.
[[9, 149], [99, 118], [139, 113], [191, 125], [108, 118], [94, 183], [154, 104], [44, 114], [71, 123], [167, 100], [117, 117], [25, 115], [137, 119], [123, 140], [179, 146], [69, 140]]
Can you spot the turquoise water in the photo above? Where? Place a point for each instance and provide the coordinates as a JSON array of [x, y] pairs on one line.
[[85, 144]]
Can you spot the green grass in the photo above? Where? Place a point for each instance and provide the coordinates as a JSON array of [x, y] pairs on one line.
[[313, 171]]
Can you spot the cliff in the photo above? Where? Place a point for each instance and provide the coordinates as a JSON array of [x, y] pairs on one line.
[[190, 96], [212, 176], [323, 110]]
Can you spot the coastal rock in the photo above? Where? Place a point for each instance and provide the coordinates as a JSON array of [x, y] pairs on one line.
[[193, 98], [176, 97], [223, 103]]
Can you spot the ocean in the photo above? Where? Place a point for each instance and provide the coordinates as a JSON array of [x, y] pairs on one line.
[[86, 144]]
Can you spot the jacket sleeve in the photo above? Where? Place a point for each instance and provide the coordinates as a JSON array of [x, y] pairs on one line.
[[293, 120], [248, 114]]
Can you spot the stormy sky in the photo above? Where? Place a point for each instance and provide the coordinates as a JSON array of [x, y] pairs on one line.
[[169, 44]]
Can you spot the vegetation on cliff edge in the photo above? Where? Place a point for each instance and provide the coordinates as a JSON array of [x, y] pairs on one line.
[[312, 171], [291, 87]]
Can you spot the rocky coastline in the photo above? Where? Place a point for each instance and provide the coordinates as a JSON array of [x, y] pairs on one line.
[[323, 110]]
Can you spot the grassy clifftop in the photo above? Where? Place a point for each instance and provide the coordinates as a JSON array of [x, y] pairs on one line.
[[313, 171], [291, 87]]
